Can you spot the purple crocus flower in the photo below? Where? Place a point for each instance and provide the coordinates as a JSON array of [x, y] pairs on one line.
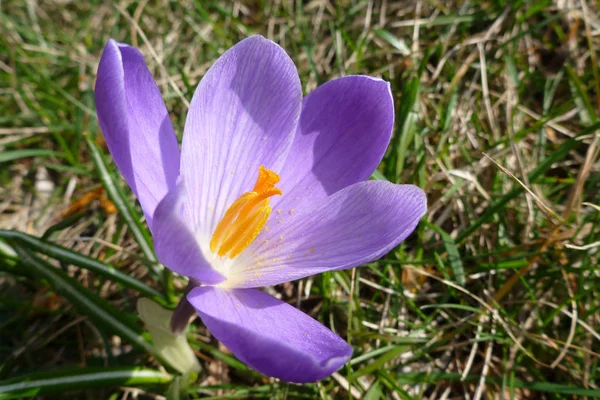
[[269, 187]]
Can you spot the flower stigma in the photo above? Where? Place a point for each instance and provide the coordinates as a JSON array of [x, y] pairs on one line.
[[245, 218]]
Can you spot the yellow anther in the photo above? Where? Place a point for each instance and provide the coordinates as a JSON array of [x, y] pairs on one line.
[[246, 217], [249, 230], [230, 215]]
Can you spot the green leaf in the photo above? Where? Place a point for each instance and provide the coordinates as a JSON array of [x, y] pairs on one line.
[[228, 359], [172, 346], [125, 210], [393, 40], [453, 254], [379, 362], [533, 176], [87, 303], [378, 176], [407, 117], [63, 380], [412, 378], [374, 392], [65, 255], [12, 155], [444, 306], [581, 97]]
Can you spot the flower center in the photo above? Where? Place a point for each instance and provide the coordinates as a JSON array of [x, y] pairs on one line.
[[246, 217]]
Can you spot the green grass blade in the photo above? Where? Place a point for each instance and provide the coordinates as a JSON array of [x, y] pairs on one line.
[[535, 174], [374, 392], [377, 175], [380, 361], [13, 155], [546, 387], [102, 313], [64, 380], [131, 218], [581, 95], [393, 40], [453, 254], [407, 118], [65, 255]]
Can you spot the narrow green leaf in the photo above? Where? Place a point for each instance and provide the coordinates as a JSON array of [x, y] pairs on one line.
[[65, 255], [453, 254], [380, 362], [371, 354], [11, 155], [7, 251], [87, 303], [582, 98], [408, 117], [463, 307], [534, 175], [63, 380], [378, 176], [374, 392], [412, 378], [131, 218], [226, 358], [64, 223], [388, 381], [175, 391], [393, 40]]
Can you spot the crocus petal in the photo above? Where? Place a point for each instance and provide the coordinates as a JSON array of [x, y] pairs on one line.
[[136, 125], [243, 115], [356, 225], [269, 335], [345, 127], [174, 242]]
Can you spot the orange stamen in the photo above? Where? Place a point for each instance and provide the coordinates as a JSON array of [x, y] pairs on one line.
[[246, 217]]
